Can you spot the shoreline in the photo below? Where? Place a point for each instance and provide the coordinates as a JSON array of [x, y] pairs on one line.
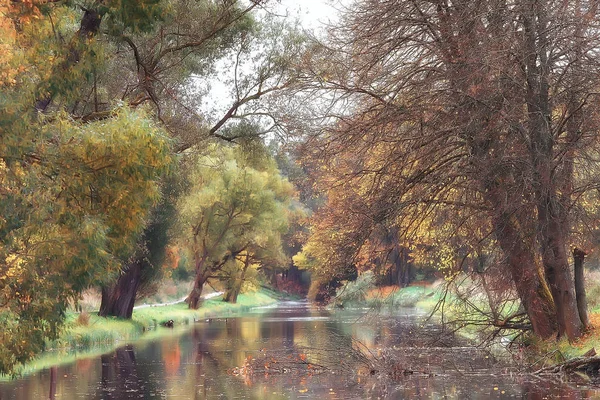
[[425, 298], [102, 335]]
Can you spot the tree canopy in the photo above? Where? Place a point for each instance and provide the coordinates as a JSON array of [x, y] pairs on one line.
[[75, 194], [234, 207], [470, 123]]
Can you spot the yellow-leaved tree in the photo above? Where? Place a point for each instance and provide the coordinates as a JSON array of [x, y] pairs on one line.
[[233, 216], [74, 194]]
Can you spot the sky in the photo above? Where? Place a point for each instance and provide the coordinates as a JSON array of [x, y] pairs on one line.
[[313, 15]]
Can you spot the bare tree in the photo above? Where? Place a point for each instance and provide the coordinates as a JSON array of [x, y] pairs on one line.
[[476, 111]]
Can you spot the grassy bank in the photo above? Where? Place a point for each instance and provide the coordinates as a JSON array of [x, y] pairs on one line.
[[364, 293], [89, 335], [98, 330], [552, 351]]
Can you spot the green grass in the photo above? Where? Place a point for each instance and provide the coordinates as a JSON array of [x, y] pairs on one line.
[[102, 330], [552, 351], [102, 335], [363, 293], [413, 296], [150, 317]]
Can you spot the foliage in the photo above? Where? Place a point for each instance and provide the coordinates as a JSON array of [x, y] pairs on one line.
[[234, 207], [355, 292], [472, 134], [74, 194]]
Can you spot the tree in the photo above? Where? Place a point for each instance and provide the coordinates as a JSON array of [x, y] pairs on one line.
[[143, 268], [232, 210], [168, 65], [476, 109], [75, 194]]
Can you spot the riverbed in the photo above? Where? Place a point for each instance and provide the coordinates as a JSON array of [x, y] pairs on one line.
[[297, 351]]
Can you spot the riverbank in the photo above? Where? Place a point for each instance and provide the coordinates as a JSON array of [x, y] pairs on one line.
[[426, 296], [363, 293], [87, 335], [552, 351]]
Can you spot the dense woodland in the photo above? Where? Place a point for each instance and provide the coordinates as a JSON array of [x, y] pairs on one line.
[[412, 140]]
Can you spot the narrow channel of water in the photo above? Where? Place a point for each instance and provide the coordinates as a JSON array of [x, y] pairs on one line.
[[295, 351]]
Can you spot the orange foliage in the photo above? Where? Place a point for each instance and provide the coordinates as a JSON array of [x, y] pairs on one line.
[[172, 258], [381, 292]]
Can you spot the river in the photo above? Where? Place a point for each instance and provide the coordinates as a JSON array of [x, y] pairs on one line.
[[296, 351]]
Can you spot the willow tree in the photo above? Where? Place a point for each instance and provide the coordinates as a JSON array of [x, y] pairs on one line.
[[471, 110], [170, 68], [232, 210], [75, 195]]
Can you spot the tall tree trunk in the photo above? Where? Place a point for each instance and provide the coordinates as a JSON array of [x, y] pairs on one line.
[[514, 231], [558, 273], [552, 227], [144, 266], [527, 276], [118, 300], [579, 257]]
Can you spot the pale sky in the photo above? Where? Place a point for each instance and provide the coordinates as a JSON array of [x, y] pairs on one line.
[[313, 15]]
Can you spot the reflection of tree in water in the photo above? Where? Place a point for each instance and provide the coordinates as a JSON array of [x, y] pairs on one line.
[[122, 378], [53, 373], [212, 357], [171, 356]]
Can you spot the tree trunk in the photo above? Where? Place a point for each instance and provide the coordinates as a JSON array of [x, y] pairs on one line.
[[194, 298], [405, 269], [527, 276], [559, 277], [118, 300], [232, 294], [579, 257]]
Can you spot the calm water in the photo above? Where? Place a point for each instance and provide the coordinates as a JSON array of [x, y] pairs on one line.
[[298, 352]]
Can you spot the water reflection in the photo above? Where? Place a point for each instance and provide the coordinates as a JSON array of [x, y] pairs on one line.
[[53, 378], [195, 363]]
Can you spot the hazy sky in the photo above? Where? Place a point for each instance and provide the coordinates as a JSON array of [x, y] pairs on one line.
[[311, 13]]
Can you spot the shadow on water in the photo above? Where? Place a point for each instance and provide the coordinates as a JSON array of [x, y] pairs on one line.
[[296, 351]]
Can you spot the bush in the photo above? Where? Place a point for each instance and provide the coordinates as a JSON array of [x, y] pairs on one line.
[[356, 291]]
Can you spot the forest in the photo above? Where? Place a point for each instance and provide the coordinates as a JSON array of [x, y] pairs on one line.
[[452, 141]]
